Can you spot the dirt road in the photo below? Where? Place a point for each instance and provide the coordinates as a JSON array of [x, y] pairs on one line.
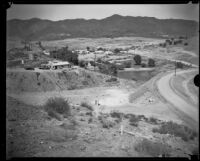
[[167, 92]]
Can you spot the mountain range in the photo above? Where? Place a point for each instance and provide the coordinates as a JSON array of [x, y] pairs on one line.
[[113, 26]]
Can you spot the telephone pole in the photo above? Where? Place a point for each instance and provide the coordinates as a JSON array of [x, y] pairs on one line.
[[94, 61], [175, 68]]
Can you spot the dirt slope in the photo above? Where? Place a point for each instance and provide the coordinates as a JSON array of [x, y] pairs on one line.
[[42, 81]]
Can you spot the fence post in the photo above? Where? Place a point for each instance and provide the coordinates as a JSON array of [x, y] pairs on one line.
[[121, 129]]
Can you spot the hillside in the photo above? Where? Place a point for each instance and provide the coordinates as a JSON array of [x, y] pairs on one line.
[[19, 81], [113, 26]]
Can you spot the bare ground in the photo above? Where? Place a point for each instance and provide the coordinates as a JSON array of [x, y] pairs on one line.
[[31, 133]]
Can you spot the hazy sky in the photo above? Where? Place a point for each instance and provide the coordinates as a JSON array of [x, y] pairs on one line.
[[60, 12]]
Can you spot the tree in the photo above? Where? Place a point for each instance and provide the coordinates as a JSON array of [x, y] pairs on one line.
[[88, 48], [65, 55], [99, 60], [113, 69], [137, 59], [82, 63], [179, 65], [151, 62], [116, 50], [143, 65], [127, 64], [100, 48], [92, 63]]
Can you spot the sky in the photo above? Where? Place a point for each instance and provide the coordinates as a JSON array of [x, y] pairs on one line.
[[61, 12]]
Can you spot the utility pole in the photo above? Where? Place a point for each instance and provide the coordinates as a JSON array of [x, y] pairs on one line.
[[94, 61], [175, 68]]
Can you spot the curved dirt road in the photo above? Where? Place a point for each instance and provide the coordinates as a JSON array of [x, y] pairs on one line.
[[182, 105]]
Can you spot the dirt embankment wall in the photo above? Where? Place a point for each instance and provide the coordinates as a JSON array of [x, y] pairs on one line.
[[33, 81]]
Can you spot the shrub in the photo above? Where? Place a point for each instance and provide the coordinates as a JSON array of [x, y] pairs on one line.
[[113, 69], [141, 117], [185, 43], [55, 115], [128, 115], [179, 65], [137, 59], [195, 151], [143, 65], [152, 148], [153, 120], [89, 113], [111, 80], [92, 63], [90, 120], [116, 114], [133, 120], [88, 48], [100, 118], [85, 83], [71, 87], [57, 105], [107, 123], [100, 48], [82, 63], [116, 50], [151, 62], [134, 124], [177, 130], [85, 104], [127, 64], [118, 120]]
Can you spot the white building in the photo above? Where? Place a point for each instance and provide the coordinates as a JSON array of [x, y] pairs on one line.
[[46, 52], [58, 64]]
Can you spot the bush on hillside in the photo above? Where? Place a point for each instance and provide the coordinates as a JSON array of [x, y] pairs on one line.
[[111, 80], [116, 50], [116, 114], [137, 59], [179, 65], [151, 62], [143, 65], [152, 120], [113, 69], [88, 48], [152, 148], [127, 64], [82, 63], [92, 63], [99, 60], [85, 104], [105, 123], [133, 120], [177, 130], [56, 106]]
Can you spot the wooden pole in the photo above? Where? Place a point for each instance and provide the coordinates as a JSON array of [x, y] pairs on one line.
[[175, 68], [121, 129]]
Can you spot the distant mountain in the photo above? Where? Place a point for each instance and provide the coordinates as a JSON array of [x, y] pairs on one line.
[[113, 26]]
